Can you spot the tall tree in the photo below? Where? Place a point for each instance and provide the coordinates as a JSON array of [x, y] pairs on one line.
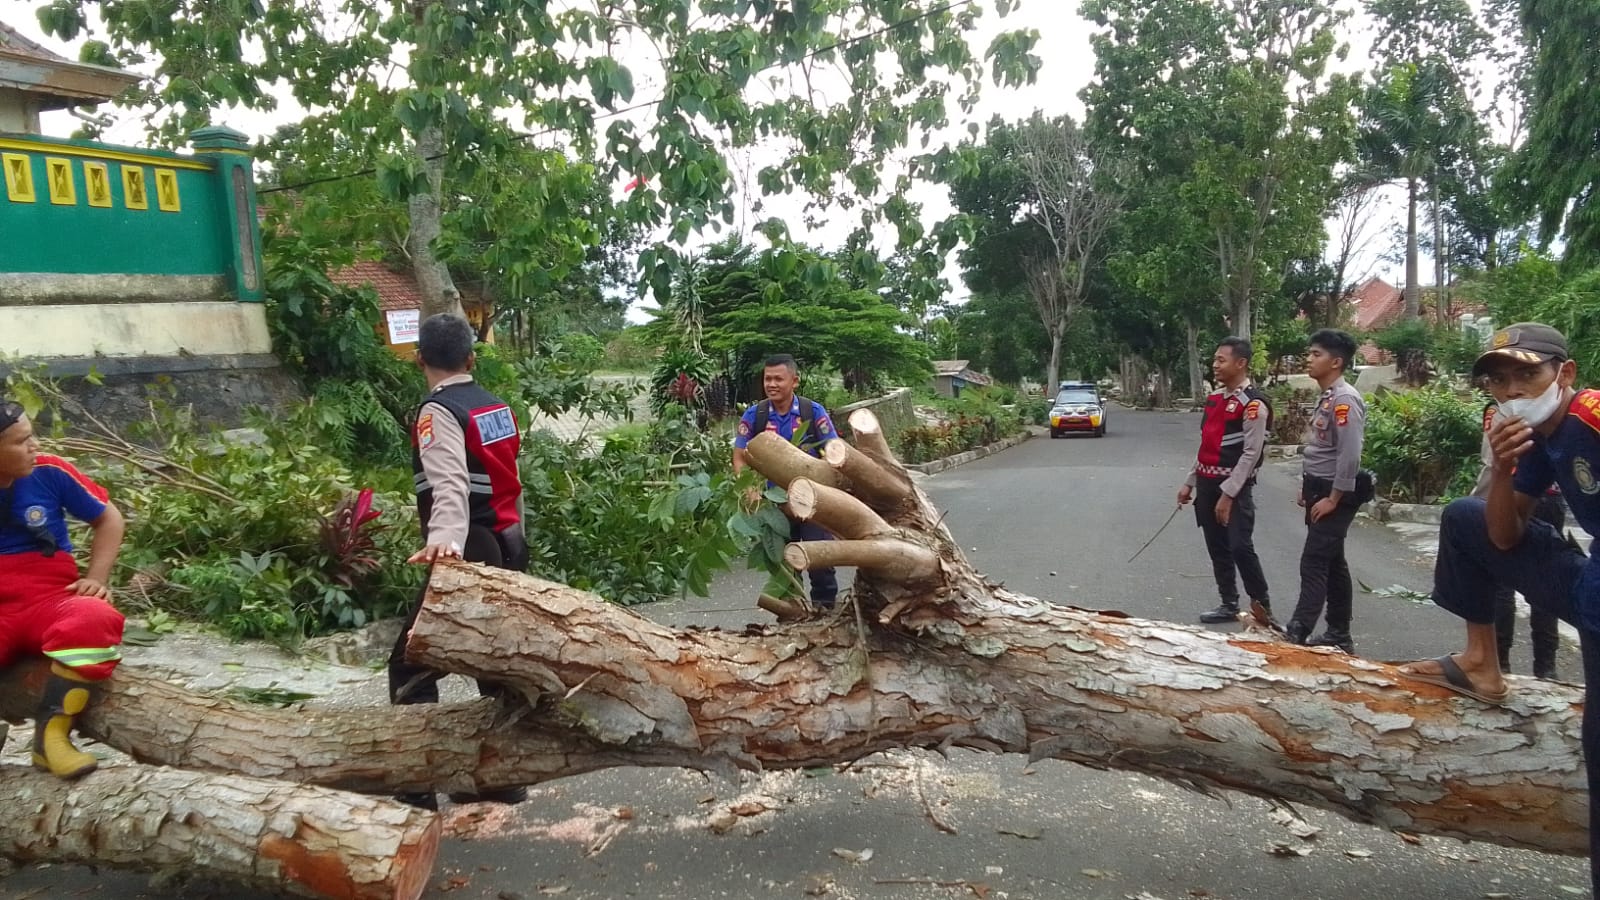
[[1416, 126], [1074, 197], [480, 76], [1555, 174], [1230, 112]]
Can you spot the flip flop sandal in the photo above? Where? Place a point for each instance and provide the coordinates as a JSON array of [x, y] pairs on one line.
[[1452, 677]]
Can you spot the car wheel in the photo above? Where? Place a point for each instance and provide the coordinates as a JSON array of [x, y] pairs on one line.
[[1054, 434], [1100, 432]]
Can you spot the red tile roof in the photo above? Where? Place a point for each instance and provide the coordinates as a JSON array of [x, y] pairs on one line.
[[1377, 304], [396, 290]]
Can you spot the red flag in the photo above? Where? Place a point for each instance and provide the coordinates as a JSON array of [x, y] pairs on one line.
[[637, 182]]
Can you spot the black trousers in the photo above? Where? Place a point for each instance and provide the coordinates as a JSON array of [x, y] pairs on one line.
[[1324, 573], [1543, 623], [1231, 546], [411, 683]]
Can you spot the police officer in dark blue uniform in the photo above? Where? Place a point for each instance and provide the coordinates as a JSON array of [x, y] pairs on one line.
[[1545, 433], [803, 423]]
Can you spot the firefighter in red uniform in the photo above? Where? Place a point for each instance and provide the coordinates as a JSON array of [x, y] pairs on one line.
[[464, 446], [1233, 436], [46, 605]]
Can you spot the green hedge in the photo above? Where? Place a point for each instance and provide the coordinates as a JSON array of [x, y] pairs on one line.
[[1423, 445]]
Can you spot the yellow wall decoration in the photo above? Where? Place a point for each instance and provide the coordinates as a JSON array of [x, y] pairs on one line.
[[19, 177], [97, 184], [133, 190], [63, 184], [167, 191]]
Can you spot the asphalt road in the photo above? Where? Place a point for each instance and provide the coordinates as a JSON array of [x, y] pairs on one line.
[[1054, 518]]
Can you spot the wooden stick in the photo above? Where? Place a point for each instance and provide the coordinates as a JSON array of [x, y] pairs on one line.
[[882, 487], [783, 462], [889, 558], [838, 512]]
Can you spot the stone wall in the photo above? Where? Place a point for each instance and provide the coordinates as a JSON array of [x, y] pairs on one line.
[[220, 391], [894, 410]]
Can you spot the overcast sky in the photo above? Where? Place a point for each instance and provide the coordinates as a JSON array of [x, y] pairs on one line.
[[1068, 65]]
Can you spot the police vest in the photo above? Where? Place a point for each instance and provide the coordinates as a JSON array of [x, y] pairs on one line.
[[494, 495], [1222, 433]]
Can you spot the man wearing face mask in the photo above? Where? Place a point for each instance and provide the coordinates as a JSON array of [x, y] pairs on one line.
[[1545, 433]]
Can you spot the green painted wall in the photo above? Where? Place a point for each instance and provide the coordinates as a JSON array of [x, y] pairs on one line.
[[73, 207]]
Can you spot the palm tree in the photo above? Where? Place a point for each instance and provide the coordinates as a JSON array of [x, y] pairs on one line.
[[1416, 124]]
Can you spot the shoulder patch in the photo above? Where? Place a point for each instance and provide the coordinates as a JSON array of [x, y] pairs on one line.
[[1586, 407], [1252, 410], [425, 431], [1488, 417], [744, 428], [1341, 414]]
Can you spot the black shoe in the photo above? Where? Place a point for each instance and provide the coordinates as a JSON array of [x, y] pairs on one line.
[[507, 796], [1295, 633], [1547, 673], [1223, 613], [1332, 638], [419, 800]]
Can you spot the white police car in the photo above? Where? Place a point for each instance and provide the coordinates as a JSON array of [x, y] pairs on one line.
[[1078, 408]]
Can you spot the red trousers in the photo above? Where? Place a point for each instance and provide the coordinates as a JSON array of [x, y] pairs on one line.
[[40, 614]]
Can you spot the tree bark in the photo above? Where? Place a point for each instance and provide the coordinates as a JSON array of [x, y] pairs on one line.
[[1412, 295], [438, 289], [301, 840]]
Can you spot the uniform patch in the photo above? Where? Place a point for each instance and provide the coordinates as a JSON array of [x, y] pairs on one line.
[[1253, 411], [823, 427], [1341, 414], [1584, 407], [495, 425], [744, 428], [1584, 476], [425, 431], [1233, 406], [34, 515], [1488, 418]]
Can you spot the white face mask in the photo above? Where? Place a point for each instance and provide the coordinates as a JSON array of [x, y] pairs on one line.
[[1535, 410]]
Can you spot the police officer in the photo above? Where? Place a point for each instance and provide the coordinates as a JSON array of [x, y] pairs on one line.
[[803, 423], [1332, 488], [46, 605], [464, 447], [1233, 435], [1543, 623]]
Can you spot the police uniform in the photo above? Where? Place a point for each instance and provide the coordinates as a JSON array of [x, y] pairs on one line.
[[1332, 462], [464, 446], [39, 613], [808, 431], [1233, 436], [1542, 623]]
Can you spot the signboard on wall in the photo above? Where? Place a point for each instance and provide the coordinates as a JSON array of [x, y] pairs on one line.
[[403, 325]]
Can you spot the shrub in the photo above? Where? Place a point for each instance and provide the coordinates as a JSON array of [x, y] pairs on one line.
[[1291, 413], [1423, 445], [971, 421]]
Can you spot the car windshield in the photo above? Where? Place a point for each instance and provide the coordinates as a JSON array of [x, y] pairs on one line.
[[1076, 398]]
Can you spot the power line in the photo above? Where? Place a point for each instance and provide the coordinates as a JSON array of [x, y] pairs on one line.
[[611, 114]]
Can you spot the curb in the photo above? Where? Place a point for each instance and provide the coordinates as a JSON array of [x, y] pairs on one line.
[[1283, 451], [950, 462], [1414, 513]]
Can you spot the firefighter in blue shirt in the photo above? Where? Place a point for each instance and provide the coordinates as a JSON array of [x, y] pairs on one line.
[[1546, 432], [803, 423]]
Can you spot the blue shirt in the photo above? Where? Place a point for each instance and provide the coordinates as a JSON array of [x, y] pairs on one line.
[[784, 425], [1570, 457], [36, 506]]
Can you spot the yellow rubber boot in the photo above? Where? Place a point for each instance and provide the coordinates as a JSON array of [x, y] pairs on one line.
[[66, 695]]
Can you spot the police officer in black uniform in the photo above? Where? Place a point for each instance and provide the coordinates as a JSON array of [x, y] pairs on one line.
[[1233, 437], [464, 445]]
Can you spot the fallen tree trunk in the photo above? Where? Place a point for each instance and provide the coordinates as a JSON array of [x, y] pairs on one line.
[[466, 747], [925, 654], [294, 839]]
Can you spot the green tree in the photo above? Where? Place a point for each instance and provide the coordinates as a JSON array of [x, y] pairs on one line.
[[1229, 112], [1555, 174], [482, 77], [1417, 124]]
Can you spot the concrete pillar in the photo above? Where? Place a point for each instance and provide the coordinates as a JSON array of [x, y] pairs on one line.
[[229, 152]]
